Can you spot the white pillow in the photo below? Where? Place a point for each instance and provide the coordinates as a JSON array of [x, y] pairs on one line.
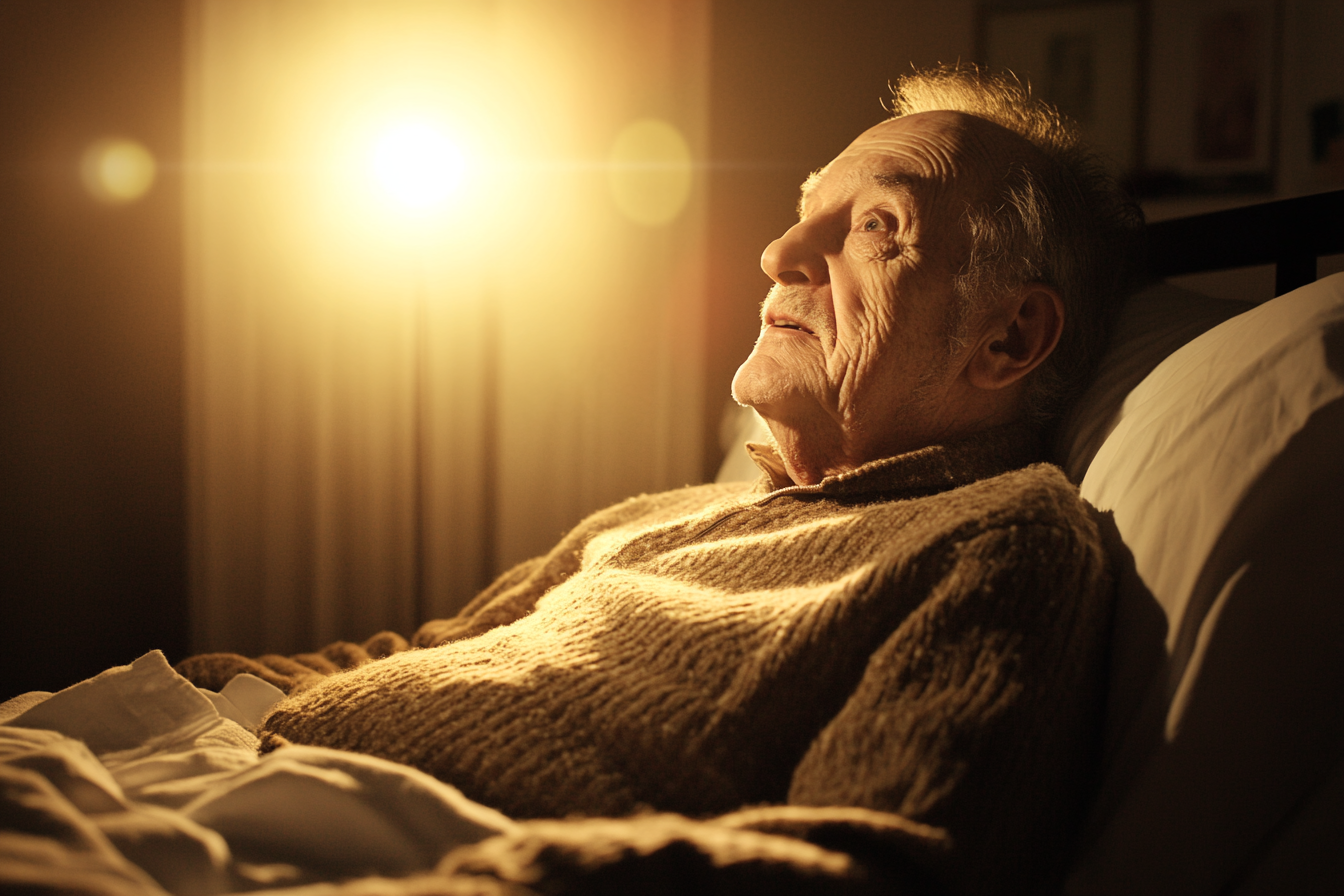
[[1223, 477], [739, 426], [1153, 323]]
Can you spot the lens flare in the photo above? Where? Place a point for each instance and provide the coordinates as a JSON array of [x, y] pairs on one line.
[[117, 171], [650, 172], [417, 165]]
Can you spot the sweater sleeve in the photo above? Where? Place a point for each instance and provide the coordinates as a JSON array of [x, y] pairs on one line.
[[288, 673], [515, 594], [510, 597], [980, 713]]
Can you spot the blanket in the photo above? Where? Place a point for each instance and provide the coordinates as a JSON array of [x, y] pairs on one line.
[[137, 782]]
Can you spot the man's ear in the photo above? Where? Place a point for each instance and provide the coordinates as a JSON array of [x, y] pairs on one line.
[[1023, 332]]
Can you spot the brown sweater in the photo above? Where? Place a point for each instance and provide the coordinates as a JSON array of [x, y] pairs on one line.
[[923, 636]]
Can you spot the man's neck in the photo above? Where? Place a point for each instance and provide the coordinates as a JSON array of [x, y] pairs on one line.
[[810, 457]]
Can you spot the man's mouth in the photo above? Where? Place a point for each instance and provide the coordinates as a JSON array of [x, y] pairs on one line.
[[784, 322]]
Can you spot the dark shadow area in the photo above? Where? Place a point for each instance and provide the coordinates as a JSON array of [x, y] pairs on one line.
[[1197, 799], [1137, 656], [92, 554]]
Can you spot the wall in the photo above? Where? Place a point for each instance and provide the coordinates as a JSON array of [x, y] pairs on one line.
[[1310, 72], [92, 567]]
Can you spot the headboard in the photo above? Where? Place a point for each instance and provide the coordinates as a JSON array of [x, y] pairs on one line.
[[1289, 233]]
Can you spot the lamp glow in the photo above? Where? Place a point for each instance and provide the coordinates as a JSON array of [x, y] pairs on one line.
[[417, 165]]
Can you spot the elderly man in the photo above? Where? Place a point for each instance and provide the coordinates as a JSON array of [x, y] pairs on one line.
[[893, 641]]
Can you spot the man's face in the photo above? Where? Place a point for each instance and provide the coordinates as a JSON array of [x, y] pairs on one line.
[[855, 352]]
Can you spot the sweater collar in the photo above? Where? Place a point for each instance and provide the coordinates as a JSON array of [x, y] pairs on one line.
[[934, 468]]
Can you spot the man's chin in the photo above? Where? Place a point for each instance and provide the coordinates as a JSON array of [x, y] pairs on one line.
[[753, 387], [762, 383]]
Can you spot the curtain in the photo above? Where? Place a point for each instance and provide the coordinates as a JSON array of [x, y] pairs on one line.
[[386, 408]]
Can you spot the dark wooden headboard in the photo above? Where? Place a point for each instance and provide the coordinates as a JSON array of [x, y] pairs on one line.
[[1288, 233]]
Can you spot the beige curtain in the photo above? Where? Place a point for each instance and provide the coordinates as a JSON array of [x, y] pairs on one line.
[[384, 412]]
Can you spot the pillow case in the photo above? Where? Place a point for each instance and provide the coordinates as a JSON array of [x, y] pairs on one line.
[[1153, 323], [739, 426], [1221, 481]]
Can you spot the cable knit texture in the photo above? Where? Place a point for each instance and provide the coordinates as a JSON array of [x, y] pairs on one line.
[[922, 636]]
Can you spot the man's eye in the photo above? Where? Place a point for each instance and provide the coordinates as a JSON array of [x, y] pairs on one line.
[[873, 224]]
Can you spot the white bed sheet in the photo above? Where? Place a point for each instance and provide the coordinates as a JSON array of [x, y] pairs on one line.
[[136, 781]]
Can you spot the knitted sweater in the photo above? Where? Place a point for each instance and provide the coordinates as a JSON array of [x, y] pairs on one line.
[[921, 636]]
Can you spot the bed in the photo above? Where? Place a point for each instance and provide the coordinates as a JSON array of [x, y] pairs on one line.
[[1210, 443]]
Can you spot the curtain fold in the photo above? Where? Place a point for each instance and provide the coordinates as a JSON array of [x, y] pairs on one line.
[[383, 412]]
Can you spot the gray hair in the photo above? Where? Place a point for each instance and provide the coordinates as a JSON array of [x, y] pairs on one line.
[[1065, 223]]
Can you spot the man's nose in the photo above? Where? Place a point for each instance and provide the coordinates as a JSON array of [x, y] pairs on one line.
[[794, 259]]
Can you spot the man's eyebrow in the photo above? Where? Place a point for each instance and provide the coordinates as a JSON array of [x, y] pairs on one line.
[[904, 184], [806, 189], [897, 183]]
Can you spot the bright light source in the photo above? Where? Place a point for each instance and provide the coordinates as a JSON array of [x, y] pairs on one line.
[[117, 171], [417, 165]]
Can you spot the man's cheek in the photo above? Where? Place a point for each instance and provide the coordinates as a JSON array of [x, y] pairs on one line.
[[793, 356], [865, 338], [868, 305]]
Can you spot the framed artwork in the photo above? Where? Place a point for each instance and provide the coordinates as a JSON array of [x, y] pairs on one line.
[[1083, 57], [1213, 91]]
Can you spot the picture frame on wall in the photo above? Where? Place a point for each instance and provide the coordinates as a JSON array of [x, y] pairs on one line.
[[1214, 68], [1084, 57]]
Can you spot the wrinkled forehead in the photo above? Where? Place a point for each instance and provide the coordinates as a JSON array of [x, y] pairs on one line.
[[938, 159]]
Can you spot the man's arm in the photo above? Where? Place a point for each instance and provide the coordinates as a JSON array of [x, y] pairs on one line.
[[510, 597], [288, 673], [960, 763]]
